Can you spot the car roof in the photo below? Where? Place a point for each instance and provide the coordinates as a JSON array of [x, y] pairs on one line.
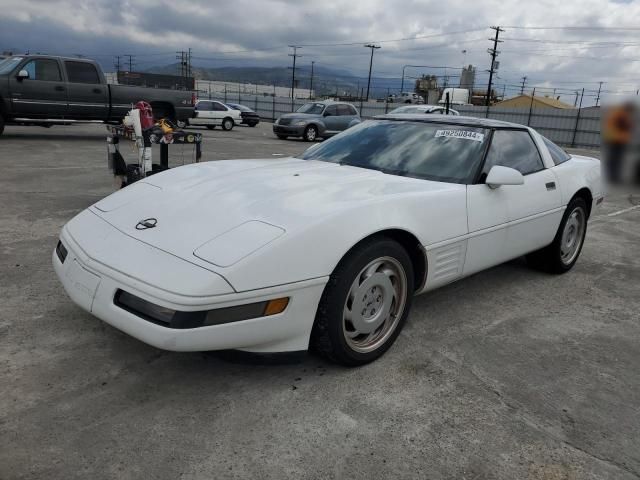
[[332, 102], [54, 57], [452, 120]]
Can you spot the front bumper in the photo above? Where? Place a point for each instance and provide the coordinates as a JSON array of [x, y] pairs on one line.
[[290, 130], [92, 285]]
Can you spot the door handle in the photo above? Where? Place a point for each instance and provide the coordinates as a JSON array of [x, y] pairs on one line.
[[59, 88], [551, 186], [96, 90]]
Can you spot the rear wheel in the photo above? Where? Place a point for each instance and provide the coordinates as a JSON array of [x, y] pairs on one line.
[[365, 303], [1, 124], [253, 124], [211, 127], [282, 137], [563, 253], [311, 133], [227, 123]]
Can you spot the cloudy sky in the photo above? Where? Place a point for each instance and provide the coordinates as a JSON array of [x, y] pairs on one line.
[[332, 32]]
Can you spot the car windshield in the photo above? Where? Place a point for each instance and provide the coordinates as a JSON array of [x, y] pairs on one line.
[[9, 64], [432, 151], [312, 108]]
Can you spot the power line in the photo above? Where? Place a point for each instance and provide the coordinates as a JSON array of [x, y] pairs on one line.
[[519, 27]]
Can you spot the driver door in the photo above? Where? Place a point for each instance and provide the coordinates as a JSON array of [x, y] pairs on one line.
[[43, 94], [511, 220]]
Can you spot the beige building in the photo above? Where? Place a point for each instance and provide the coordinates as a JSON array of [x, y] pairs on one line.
[[524, 101]]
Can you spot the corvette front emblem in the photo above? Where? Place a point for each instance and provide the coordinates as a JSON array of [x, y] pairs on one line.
[[146, 223]]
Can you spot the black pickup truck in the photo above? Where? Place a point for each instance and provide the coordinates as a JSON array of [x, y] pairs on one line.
[[46, 90]]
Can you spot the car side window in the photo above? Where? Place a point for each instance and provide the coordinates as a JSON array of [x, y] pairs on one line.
[[82, 72], [514, 149], [331, 111], [204, 106], [558, 155], [43, 69], [344, 110], [218, 107]]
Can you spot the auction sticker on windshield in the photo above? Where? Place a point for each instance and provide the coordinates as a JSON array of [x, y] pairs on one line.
[[465, 134]]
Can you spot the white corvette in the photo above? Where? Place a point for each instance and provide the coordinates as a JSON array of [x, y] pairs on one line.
[[326, 250]]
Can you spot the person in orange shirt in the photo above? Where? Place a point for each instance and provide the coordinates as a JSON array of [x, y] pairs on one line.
[[617, 134]]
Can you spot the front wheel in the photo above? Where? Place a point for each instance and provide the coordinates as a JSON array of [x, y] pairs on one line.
[[364, 304], [227, 124], [282, 137], [563, 253], [1, 124], [311, 133]]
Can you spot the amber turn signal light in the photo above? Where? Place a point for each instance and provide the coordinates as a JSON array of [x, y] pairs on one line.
[[276, 306]]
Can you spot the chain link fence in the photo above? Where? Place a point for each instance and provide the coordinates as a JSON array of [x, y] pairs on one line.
[[569, 127]]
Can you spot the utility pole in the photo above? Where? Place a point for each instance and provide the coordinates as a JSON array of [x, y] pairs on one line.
[[311, 84], [293, 69], [494, 53], [599, 90], [373, 47], [575, 102], [116, 64], [189, 72], [524, 82], [130, 62]]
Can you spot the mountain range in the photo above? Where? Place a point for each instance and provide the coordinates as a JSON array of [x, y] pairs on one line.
[[325, 80]]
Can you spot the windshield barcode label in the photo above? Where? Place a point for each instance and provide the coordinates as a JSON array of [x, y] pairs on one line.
[[466, 134]]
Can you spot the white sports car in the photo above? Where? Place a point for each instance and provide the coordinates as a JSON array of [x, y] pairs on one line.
[[325, 250]]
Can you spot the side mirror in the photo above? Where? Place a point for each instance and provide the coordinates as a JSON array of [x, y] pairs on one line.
[[499, 175], [22, 75]]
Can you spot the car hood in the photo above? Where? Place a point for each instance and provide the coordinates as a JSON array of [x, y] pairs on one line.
[[244, 204]]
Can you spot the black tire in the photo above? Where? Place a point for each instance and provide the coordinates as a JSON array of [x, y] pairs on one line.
[[253, 124], [282, 137], [227, 124], [328, 336], [1, 124], [211, 127], [310, 133], [550, 258]]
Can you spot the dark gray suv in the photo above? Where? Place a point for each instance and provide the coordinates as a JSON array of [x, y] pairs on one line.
[[317, 120]]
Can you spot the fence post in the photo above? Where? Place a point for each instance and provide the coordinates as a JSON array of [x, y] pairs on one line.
[[575, 129], [531, 106], [256, 109], [209, 90], [273, 109], [225, 93]]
